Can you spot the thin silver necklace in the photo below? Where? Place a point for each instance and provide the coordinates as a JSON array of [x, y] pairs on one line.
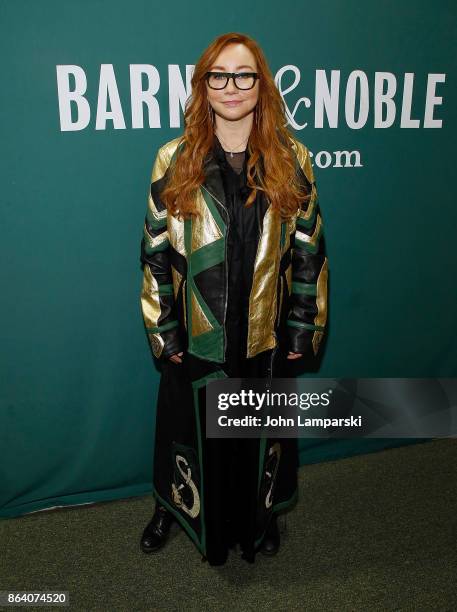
[[231, 152]]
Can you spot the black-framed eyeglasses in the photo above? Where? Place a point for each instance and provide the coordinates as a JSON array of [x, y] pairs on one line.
[[242, 80]]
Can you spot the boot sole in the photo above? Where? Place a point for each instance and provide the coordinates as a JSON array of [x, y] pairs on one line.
[[267, 553], [152, 550]]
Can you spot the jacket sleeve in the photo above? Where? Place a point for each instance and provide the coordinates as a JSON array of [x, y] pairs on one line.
[[307, 317], [157, 297]]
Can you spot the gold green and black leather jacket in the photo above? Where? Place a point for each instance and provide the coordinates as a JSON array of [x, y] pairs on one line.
[[185, 272]]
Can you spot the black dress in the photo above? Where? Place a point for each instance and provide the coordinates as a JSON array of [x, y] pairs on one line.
[[242, 244], [228, 523]]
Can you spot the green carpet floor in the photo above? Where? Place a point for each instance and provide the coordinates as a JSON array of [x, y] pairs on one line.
[[371, 532]]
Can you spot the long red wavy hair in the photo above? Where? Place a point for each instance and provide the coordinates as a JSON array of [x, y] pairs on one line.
[[271, 165]]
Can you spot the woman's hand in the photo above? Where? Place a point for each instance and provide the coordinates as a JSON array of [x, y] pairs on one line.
[[294, 355], [176, 358]]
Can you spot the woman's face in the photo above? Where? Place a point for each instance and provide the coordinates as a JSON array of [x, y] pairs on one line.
[[235, 57]]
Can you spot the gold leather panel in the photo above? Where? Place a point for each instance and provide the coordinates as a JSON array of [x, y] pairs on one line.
[[317, 337], [304, 159], [177, 277], [288, 275], [163, 158], [204, 228], [176, 234], [263, 296], [200, 323], [321, 295], [156, 214], [150, 303]]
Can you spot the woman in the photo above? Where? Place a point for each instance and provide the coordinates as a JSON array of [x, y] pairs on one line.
[[235, 284]]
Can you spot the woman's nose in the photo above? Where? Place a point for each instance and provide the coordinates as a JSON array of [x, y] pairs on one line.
[[231, 87]]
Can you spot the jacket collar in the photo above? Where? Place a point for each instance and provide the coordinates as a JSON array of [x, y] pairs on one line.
[[213, 177]]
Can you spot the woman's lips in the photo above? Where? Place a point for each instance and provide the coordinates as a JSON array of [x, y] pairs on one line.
[[232, 102]]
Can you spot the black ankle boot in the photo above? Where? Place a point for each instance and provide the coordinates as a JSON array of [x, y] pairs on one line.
[[156, 533], [270, 543]]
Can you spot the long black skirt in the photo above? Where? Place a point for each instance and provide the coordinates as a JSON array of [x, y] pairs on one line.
[[222, 491]]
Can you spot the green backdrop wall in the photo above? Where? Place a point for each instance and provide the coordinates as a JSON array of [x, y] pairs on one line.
[[78, 383]]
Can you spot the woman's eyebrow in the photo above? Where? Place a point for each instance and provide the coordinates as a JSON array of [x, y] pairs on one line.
[[237, 68]]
